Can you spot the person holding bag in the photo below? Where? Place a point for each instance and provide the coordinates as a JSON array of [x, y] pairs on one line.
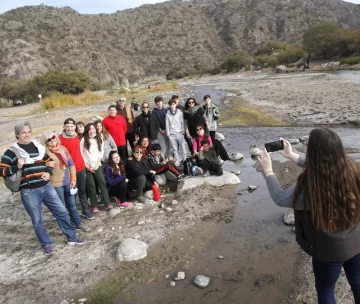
[[326, 208]]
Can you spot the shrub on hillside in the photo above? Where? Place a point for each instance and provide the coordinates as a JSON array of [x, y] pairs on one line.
[[236, 62], [350, 60], [291, 54]]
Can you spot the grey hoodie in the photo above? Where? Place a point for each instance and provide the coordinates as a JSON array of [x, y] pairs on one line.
[[174, 123]]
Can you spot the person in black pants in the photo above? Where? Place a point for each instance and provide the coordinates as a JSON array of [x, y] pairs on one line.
[[140, 177], [146, 124]]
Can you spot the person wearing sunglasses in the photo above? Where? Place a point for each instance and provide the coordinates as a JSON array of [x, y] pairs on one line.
[[140, 177], [64, 177], [194, 116], [146, 124]]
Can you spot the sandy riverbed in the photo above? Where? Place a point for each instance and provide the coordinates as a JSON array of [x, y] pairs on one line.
[[73, 272]]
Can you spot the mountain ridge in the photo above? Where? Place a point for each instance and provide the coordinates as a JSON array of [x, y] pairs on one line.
[[156, 38]]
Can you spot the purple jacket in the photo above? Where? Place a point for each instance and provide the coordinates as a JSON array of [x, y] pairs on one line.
[[112, 178]]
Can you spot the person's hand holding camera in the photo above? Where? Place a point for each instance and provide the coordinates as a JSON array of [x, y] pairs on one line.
[[288, 152], [266, 163]]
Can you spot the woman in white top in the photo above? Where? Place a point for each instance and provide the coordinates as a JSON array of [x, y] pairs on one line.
[[92, 150], [109, 143]]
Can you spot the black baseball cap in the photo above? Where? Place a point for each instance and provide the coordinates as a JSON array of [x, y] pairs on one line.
[[69, 121]]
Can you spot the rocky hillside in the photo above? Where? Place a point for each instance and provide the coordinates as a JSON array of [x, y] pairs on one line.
[[154, 39]]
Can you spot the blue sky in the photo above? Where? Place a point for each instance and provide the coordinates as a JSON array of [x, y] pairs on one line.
[[87, 6], [82, 6]]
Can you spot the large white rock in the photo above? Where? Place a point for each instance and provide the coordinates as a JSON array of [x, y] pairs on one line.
[[219, 136], [226, 179], [289, 218], [131, 250]]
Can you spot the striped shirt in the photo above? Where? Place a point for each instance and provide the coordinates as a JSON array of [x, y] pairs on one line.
[[31, 172]]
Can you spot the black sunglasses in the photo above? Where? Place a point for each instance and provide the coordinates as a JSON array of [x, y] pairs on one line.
[[145, 107], [50, 139], [191, 102]]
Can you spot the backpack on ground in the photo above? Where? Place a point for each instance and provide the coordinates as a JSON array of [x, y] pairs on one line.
[[188, 163]]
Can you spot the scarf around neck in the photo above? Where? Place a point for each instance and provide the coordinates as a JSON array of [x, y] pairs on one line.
[[63, 160]]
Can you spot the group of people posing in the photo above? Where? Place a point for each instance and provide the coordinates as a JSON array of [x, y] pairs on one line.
[[92, 159]]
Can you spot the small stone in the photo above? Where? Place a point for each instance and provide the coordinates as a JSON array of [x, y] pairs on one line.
[[131, 250], [180, 276], [100, 230], [162, 205], [252, 187], [294, 141], [112, 228], [64, 302], [167, 276], [221, 257], [141, 222], [255, 151], [240, 193], [114, 212], [174, 202], [265, 279], [236, 156], [136, 236], [83, 300], [283, 240], [236, 172], [289, 218], [168, 209], [202, 281], [269, 246], [172, 283]]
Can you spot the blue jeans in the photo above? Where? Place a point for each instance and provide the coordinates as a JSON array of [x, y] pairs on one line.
[[69, 202], [327, 273], [32, 199]]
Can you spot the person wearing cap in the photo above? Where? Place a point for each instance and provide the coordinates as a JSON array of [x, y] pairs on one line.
[[127, 113], [70, 140], [116, 126]]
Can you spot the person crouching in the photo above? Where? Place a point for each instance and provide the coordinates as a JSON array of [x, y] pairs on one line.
[[208, 160]]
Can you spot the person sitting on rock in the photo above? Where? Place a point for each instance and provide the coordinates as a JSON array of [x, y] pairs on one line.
[[140, 177], [200, 136], [116, 180], [208, 159], [161, 165]]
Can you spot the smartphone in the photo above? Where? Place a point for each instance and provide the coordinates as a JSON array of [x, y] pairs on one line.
[[274, 146]]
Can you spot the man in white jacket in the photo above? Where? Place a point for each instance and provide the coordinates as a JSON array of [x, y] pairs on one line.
[[175, 131]]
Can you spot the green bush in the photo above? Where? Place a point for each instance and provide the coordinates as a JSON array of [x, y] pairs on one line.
[[236, 62], [291, 54], [350, 60], [265, 61]]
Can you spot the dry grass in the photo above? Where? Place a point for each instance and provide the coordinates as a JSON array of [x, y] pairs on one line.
[[63, 101]]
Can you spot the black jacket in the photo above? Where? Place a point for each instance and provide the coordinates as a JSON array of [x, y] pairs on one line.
[[155, 162], [147, 126], [136, 168]]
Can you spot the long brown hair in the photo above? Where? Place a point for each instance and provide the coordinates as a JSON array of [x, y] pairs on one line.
[[104, 133], [86, 137], [114, 166], [330, 183]]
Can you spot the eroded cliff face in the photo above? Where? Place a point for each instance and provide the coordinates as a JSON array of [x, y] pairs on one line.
[[154, 39]]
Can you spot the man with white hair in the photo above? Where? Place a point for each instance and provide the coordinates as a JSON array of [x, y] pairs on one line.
[[31, 159]]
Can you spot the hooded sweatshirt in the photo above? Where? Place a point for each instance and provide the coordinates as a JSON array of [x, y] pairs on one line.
[[174, 123]]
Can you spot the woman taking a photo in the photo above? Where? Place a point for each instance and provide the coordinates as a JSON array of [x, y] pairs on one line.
[[116, 180], [92, 150], [326, 207]]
